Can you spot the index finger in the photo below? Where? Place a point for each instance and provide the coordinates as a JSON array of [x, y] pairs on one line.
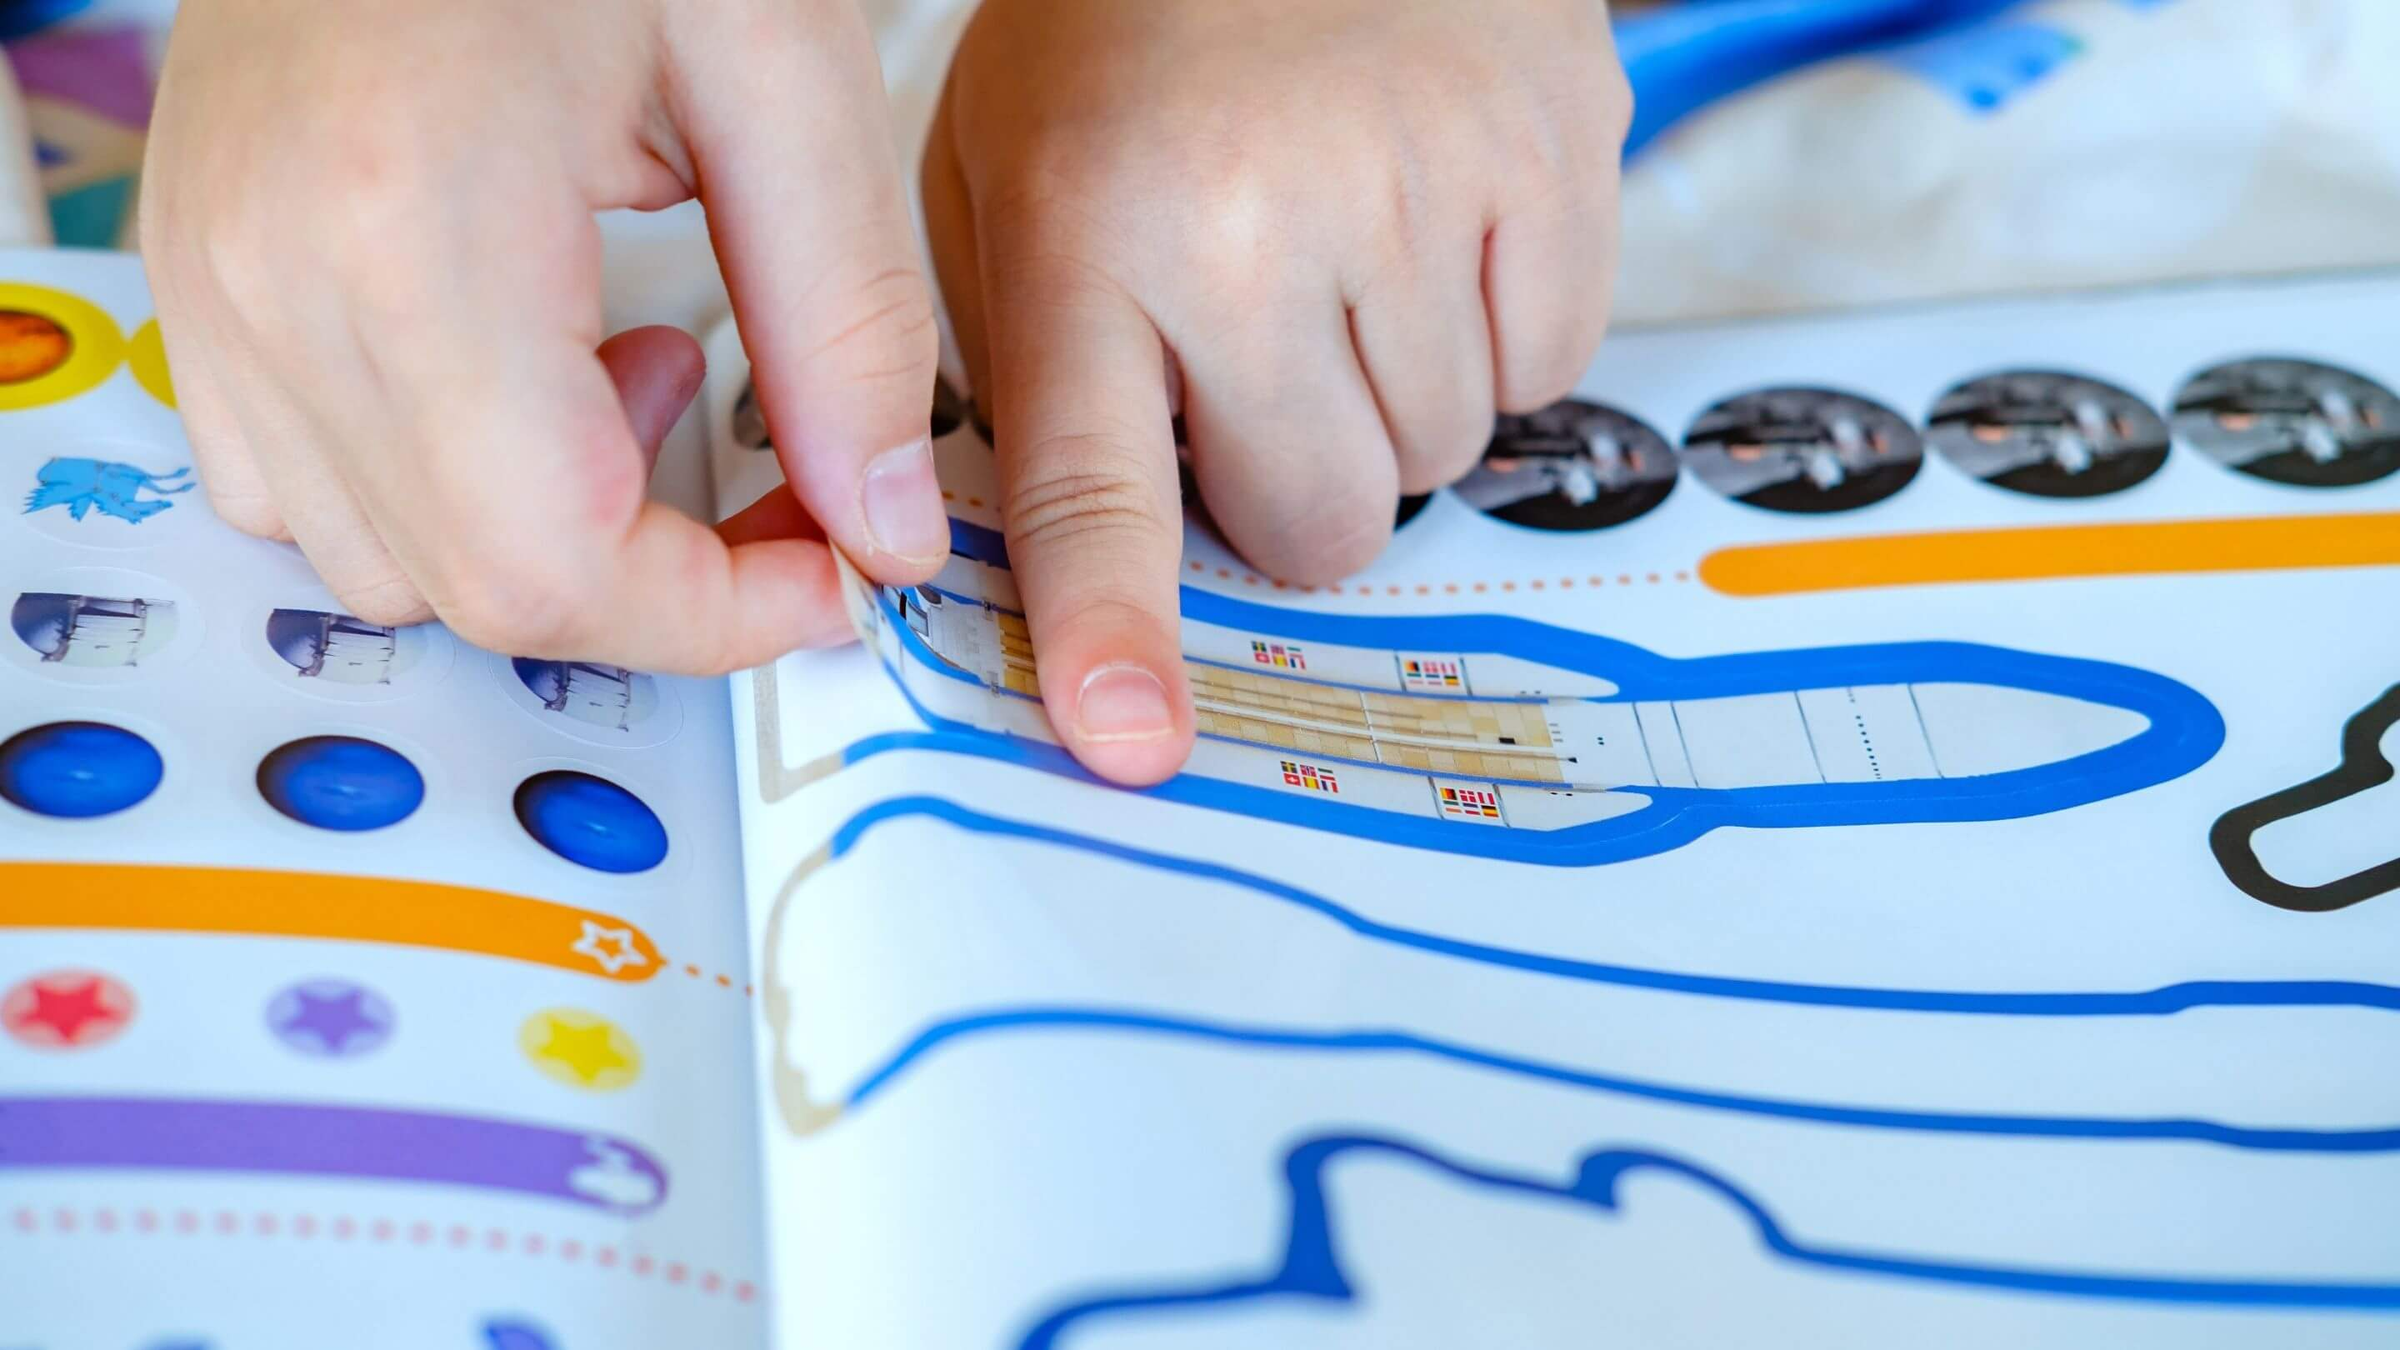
[[1094, 519]]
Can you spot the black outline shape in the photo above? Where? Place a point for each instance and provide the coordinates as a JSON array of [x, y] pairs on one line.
[[2363, 767]]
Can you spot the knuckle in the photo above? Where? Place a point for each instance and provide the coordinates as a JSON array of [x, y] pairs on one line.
[[1067, 198], [392, 602], [252, 514], [1343, 543], [503, 606], [228, 260], [882, 328], [1046, 224], [1616, 100], [1446, 454], [715, 648], [1079, 493], [1539, 384], [1538, 368], [1324, 534]]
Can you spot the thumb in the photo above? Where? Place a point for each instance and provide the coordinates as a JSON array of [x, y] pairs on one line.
[[787, 121]]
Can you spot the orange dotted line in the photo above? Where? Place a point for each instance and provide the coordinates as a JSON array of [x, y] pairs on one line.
[[1593, 582], [225, 1223], [718, 978]]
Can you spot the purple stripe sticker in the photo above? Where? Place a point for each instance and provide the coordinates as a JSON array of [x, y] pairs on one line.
[[365, 1143]]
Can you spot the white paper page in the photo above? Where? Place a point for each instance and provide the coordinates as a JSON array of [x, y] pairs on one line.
[[266, 1082], [1770, 956]]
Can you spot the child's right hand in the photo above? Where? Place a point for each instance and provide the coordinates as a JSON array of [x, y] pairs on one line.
[[369, 229]]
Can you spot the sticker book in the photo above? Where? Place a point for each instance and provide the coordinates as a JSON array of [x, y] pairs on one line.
[[1872, 830]]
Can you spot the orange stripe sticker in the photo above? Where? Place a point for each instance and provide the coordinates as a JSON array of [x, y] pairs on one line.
[[309, 905], [2149, 548]]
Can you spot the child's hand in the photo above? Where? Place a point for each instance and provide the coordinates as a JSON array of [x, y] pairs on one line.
[[1353, 226], [369, 227]]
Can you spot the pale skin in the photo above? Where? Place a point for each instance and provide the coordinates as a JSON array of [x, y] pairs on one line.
[[1335, 235]]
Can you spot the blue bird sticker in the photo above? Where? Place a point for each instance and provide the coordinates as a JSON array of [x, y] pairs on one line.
[[114, 490]]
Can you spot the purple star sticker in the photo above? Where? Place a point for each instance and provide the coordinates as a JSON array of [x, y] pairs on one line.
[[331, 1018]]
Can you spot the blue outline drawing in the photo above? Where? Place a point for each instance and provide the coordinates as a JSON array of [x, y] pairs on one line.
[[2159, 1002], [115, 490], [1311, 1267], [2184, 729], [1166, 1026]]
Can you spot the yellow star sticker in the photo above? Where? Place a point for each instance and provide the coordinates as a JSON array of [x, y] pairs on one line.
[[580, 1049]]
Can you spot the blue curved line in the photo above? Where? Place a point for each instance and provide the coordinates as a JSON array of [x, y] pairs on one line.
[[1311, 1266], [2184, 731], [2271, 1139], [2168, 999]]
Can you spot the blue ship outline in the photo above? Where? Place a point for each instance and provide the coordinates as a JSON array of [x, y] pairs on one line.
[[1053, 1019], [2185, 730], [804, 1113], [1310, 1266]]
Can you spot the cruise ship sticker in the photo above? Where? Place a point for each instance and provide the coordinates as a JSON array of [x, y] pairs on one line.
[[1593, 750], [2314, 826]]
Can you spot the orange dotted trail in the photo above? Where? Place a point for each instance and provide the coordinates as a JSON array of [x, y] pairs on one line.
[[1397, 589], [1679, 576]]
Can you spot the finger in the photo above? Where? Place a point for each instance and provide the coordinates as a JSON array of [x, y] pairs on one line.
[[950, 234], [1549, 271], [1548, 288], [491, 449], [516, 559], [1088, 495], [237, 490], [657, 370], [777, 515], [324, 515], [833, 304], [1425, 343], [1287, 444], [1550, 256]]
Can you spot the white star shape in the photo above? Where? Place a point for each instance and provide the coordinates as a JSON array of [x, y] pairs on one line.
[[611, 948]]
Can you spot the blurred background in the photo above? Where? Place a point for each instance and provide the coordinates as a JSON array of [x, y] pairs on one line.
[[1788, 155]]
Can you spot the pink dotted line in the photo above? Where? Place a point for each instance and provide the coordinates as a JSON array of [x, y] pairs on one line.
[[226, 1223]]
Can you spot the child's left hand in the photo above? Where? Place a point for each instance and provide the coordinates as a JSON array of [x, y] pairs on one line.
[[1353, 227]]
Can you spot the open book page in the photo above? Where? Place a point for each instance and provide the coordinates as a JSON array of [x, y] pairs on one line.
[[1874, 831], [356, 986]]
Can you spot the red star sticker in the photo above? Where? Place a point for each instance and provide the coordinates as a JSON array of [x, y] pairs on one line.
[[66, 1009]]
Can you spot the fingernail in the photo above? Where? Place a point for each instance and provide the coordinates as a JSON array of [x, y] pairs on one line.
[[1122, 703], [902, 504]]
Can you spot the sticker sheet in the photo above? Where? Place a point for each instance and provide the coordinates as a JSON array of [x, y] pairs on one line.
[[357, 987]]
